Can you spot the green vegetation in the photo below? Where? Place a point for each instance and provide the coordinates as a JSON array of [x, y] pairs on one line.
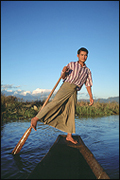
[[13, 108], [97, 109]]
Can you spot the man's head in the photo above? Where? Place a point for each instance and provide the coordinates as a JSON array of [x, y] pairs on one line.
[[82, 49], [82, 54]]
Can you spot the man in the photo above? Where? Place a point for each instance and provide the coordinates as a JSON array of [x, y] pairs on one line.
[[60, 112]]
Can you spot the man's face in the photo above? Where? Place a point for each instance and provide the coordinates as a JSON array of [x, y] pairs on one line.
[[82, 56]]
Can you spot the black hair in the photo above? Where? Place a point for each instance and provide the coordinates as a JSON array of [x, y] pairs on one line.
[[82, 49]]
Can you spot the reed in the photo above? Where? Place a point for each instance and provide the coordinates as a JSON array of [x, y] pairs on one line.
[[16, 109], [97, 109]]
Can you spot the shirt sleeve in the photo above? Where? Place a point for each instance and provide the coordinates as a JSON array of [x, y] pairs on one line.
[[89, 79]]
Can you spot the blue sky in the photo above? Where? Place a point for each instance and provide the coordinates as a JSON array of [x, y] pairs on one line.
[[38, 38]]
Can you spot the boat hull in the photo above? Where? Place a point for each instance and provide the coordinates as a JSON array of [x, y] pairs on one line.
[[66, 160]]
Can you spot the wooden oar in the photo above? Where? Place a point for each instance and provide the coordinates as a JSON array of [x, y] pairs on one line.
[[21, 142]]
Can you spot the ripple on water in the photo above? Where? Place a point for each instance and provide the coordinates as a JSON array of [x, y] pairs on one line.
[[100, 135]]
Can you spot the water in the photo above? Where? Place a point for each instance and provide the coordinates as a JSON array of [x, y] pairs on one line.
[[100, 135]]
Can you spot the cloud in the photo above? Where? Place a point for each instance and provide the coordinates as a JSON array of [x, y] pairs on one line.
[[11, 87], [8, 86], [22, 92], [19, 90], [37, 94], [9, 90], [41, 91]]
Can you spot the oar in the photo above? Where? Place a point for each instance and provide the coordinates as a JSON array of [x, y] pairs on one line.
[[21, 142]]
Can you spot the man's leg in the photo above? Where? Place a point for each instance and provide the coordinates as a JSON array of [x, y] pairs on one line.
[[71, 114]]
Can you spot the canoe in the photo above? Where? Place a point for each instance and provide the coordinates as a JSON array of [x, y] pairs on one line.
[[66, 160]]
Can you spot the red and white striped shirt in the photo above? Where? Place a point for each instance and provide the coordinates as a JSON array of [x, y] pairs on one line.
[[78, 75]]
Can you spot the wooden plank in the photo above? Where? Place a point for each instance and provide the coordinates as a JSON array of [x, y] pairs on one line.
[[66, 160]]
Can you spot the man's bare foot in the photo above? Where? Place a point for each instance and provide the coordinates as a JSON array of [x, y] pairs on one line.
[[69, 138], [34, 123]]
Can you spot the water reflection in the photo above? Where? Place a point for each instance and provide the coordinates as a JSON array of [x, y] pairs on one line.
[[101, 135]]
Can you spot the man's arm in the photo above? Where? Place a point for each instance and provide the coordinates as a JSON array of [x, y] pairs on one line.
[[90, 94]]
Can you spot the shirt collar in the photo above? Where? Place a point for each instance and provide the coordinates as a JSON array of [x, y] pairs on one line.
[[80, 64]]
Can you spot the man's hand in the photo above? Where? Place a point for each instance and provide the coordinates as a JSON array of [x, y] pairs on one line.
[[90, 94], [34, 123], [91, 102], [65, 69]]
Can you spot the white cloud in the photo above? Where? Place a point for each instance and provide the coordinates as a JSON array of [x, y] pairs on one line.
[[25, 92], [40, 91], [9, 90], [22, 92], [19, 90], [37, 93]]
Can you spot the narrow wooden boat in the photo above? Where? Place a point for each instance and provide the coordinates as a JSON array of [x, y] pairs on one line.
[[66, 160]]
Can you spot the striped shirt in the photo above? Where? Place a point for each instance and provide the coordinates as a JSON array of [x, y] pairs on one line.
[[78, 75]]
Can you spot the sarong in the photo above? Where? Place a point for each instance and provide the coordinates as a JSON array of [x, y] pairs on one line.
[[60, 112]]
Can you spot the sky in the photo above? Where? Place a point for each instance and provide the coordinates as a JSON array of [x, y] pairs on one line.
[[39, 38]]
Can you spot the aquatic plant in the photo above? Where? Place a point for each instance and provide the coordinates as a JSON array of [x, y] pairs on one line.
[[15, 108], [97, 109]]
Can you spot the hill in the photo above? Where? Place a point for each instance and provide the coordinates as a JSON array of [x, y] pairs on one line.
[[101, 100]]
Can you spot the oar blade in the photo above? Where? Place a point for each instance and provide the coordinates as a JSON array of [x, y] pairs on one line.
[[21, 142]]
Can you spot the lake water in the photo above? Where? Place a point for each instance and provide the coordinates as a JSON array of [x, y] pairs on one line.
[[100, 135]]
